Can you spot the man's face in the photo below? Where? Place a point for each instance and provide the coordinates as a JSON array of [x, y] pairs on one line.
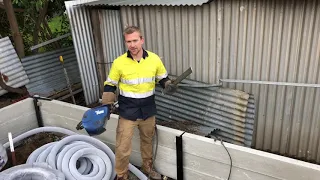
[[134, 42]]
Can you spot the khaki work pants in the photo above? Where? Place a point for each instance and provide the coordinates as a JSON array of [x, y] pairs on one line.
[[124, 136]]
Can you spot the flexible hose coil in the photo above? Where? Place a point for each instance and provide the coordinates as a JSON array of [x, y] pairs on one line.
[[94, 159], [77, 156], [36, 171]]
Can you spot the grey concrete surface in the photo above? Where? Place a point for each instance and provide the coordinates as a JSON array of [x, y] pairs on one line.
[[17, 119]]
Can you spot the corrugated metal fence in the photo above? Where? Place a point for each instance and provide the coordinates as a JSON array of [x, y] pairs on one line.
[[112, 39], [252, 40], [46, 72], [10, 66], [82, 36]]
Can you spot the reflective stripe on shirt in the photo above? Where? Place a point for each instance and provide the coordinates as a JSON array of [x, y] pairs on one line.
[[162, 76], [111, 81], [136, 95], [138, 80]]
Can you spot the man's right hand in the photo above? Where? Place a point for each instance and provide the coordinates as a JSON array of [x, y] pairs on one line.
[[108, 98]]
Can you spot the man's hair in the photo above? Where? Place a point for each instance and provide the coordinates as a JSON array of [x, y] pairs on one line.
[[132, 29]]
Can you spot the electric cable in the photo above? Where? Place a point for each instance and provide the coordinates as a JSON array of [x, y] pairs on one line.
[[156, 150], [228, 154]]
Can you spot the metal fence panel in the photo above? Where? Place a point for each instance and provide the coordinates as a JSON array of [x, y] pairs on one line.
[[46, 72], [11, 66]]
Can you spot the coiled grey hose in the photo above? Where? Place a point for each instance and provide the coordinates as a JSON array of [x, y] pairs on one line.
[[36, 171], [64, 154]]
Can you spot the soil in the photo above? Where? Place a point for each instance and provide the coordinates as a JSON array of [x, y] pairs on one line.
[[79, 98], [182, 125], [10, 98], [27, 146]]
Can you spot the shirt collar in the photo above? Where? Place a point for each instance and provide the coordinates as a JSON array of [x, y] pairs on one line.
[[144, 54]]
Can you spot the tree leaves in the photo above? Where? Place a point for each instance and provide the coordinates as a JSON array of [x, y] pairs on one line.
[[28, 19]]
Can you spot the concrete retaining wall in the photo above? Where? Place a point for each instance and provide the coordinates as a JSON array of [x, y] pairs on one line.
[[204, 158], [17, 119]]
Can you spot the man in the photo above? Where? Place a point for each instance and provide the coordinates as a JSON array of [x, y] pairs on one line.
[[135, 73]]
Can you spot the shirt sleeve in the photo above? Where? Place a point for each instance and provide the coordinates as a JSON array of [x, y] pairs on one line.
[[161, 71], [162, 75], [113, 78]]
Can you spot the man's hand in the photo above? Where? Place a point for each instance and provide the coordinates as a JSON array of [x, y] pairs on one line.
[[114, 108], [108, 98], [170, 88]]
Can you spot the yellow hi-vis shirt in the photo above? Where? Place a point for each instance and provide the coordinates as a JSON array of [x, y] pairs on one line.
[[136, 79]]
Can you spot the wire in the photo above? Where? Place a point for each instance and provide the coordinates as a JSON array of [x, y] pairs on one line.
[[228, 154], [157, 139], [155, 153], [229, 157]]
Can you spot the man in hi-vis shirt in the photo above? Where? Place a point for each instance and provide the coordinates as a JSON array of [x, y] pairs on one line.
[[135, 73]]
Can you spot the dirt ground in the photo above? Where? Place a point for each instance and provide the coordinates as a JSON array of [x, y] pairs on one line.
[[10, 98], [187, 126], [27, 146]]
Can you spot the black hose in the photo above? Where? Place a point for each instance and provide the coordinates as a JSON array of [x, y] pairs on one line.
[[155, 153], [228, 154]]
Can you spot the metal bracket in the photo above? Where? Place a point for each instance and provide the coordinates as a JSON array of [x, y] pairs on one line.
[[37, 108], [213, 133], [179, 151]]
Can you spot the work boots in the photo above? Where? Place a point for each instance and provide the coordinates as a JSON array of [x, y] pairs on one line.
[[149, 171]]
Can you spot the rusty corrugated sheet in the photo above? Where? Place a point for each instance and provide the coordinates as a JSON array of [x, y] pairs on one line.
[[46, 72], [231, 111], [11, 66]]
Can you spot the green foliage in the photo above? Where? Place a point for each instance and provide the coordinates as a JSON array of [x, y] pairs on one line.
[[59, 26], [55, 16], [4, 23]]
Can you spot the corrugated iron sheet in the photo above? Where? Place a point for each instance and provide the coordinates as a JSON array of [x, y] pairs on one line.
[[231, 111], [46, 72], [277, 41], [251, 40], [146, 3], [84, 47], [10, 65], [112, 38], [183, 36]]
